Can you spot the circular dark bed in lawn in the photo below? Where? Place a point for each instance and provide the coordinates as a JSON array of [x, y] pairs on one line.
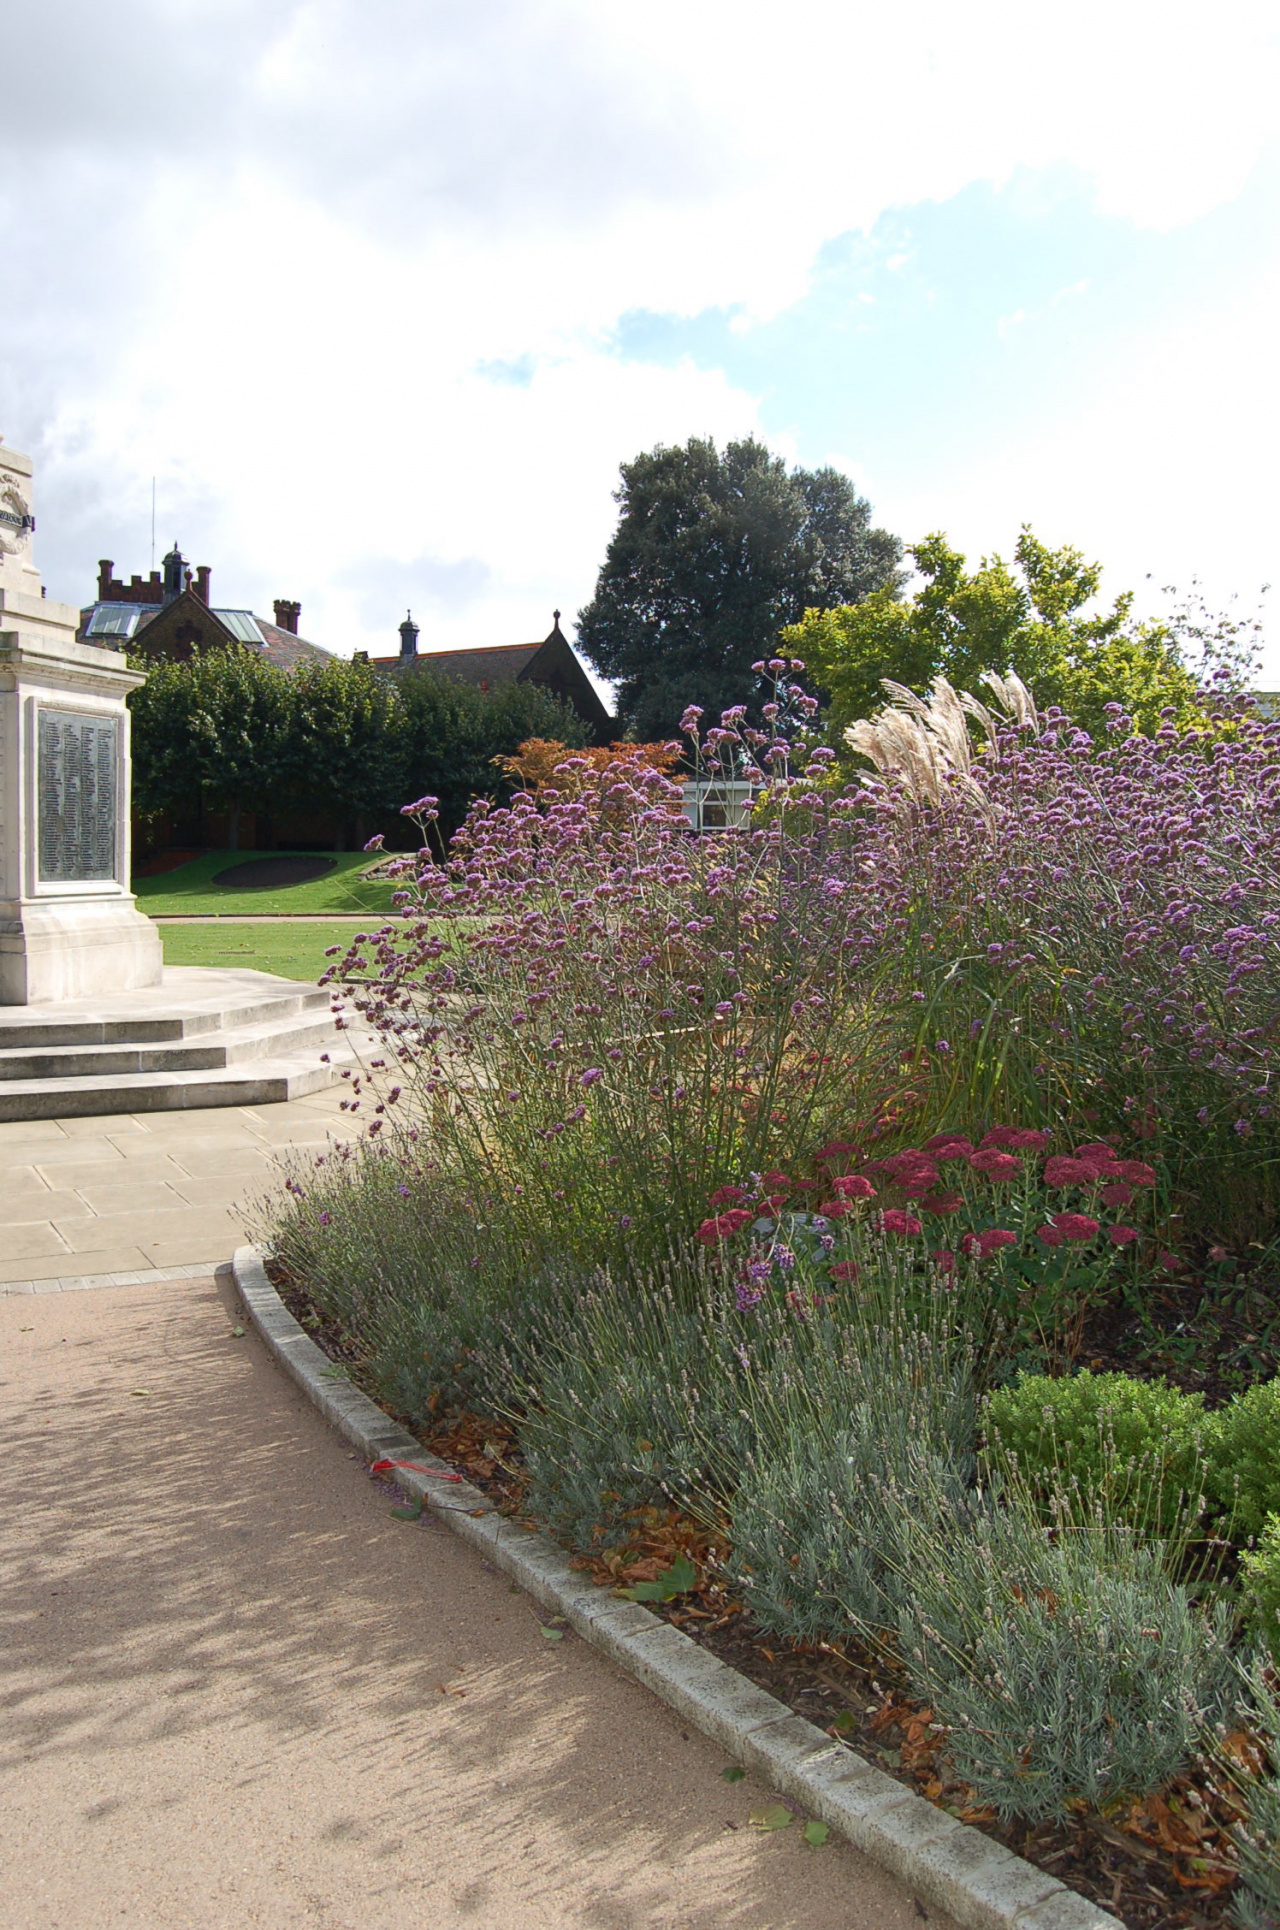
[[260, 873]]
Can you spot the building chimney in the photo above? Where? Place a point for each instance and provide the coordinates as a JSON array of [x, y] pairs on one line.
[[408, 637], [287, 615], [202, 582], [106, 577]]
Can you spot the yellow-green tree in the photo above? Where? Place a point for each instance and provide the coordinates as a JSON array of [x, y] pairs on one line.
[[1029, 617]]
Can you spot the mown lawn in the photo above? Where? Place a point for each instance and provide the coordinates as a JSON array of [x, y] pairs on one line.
[[290, 951], [193, 888]]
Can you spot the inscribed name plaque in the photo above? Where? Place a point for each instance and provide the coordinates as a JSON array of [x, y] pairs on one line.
[[76, 796]]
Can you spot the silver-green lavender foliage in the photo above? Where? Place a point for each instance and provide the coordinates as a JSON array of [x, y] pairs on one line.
[[625, 1398], [1256, 1905], [1065, 1662], [823, 1514]]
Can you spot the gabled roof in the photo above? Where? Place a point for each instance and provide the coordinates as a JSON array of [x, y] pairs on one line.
[[188, 621], [283, 648], [551, 663], [495, 663]]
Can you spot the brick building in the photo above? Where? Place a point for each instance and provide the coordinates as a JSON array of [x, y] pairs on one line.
[[551, 663], [168, 614]]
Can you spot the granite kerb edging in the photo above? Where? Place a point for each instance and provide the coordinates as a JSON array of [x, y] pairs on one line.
[[944, 1862]]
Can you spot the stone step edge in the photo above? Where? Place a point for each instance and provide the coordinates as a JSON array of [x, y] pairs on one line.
[[341, 1055], [194, 1024], [266, 1082], [945, 1863], [284, 1030]]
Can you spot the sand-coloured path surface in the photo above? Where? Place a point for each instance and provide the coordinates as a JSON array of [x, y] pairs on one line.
[[235, 1691]]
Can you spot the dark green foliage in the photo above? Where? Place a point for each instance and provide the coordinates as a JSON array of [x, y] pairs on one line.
[[713, 554], [453, 731], [1243, 1451], [217, 727], [240, 734], [1135, 1445], [346, 741], [1260, 1574]]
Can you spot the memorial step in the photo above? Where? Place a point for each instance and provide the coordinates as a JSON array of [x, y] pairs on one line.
[[177, 1011], [201, 1038], [272, 1037], [260, 1082]]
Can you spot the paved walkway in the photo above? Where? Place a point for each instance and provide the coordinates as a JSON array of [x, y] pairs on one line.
[[237, 1692], [133, 1193]]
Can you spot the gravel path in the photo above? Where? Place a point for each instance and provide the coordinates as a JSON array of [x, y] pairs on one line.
[[237, 1691]]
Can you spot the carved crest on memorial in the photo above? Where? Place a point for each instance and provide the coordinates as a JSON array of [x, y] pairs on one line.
[[16, 520]]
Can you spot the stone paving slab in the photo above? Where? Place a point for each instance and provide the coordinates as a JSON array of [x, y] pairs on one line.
[[124, 1192]]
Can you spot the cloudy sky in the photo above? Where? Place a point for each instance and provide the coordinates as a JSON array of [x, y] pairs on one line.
[[382, 291]]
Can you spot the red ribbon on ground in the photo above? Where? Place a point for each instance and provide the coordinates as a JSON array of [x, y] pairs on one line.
[[438, 1474]]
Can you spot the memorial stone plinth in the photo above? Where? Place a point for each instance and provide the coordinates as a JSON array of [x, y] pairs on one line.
[[69, 927]]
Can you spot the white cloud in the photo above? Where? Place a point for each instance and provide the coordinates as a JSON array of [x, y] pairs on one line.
[[265, 249], [1186, 427]]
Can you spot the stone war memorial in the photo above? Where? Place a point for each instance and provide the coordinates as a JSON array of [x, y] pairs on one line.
[[68, 922], [91, 1018]]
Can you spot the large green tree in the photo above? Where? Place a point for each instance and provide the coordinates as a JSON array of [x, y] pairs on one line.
[[1031, 618], [713, 554]]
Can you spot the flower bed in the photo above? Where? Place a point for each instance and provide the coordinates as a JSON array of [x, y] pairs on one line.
[[771, 1178]]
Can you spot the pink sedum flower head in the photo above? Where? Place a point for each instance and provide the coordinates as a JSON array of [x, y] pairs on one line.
[[845, 1270], [894, 1220], [996, 1165], [949, 1146], [1076, 1227], [944, 1259], [853, 1186], [1063, 1171], [1049, 1235], [1122, 1235], [723, 1226], [728, 1196]]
